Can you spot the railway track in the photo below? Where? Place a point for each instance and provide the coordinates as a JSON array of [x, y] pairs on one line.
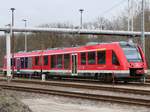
[[105, 87], [97, 97], [94, 81]]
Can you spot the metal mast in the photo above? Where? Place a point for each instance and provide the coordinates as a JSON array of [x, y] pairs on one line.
[[128, 15], [12, 35], [81, 11], [143, 27], [25, 38]]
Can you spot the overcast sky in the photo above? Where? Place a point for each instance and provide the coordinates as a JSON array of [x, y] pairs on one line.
[[53, 11]]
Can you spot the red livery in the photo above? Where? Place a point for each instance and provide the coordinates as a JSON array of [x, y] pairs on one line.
[[104, 61]]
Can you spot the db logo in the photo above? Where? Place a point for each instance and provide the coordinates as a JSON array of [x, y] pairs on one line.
[[136, 64]]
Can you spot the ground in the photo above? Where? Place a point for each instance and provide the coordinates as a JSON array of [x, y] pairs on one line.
[[52, 103], [62, 104], [9, 103]]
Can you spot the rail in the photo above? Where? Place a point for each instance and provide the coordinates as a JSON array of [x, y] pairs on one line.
[[116, 99]]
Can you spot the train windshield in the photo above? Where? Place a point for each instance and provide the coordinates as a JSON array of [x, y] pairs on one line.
[[132, 54]]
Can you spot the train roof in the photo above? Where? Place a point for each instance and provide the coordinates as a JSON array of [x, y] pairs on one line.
[[86, 48]]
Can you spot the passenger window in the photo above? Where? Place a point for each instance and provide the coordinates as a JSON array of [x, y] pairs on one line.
[[101, 55], [53, 60], [59, 61], [26, 62], [29, 62], [114, 59], [13, 62], [83, 58], [91, 57], [45, 60], [66, 61], [18, 63], [22, 62], [37, 60]]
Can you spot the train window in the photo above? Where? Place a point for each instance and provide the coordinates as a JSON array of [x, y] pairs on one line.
[[114, 59], [101, 57], [29, 62], [37, 60], [53, 60], [91, 57], [83, 58], [59, 61], [45, 60], [26, 62], [22, 62], [13, 62], [18, 63], [66, 61]]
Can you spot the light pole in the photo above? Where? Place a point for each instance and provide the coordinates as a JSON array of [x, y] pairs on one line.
[[132, 19], [8, 55], [81, 11], [128, 15], [12, 35], [25, 39], [143, 27]]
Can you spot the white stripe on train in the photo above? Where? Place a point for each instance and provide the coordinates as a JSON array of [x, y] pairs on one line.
[[78, 71]]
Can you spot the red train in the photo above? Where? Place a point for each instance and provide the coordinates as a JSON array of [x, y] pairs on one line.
[[105, 61]]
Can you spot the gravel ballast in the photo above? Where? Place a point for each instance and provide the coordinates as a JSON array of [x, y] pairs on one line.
[[9, 103]]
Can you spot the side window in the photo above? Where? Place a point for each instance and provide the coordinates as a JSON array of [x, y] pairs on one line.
[[101, 57], [83, 58], [114, 59], [29, 62], [18, 63], [66, 61], [91, 57], [26, 62], [45, 60], [59, 61], [22, 62], [13, 62], [53, 60], [37, 60]]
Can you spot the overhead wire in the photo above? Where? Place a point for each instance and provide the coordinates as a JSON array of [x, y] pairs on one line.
[[113, 7]]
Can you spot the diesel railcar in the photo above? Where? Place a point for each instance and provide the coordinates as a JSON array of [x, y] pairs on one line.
[[123, 61]]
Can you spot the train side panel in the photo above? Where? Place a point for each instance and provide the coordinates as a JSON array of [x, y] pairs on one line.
[[101, 61]]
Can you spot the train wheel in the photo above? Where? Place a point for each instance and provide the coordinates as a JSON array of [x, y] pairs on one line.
[[143, 79], [101, 77], [105, 77], [126, 82], [96, 76], [108, 77], [5, 74]]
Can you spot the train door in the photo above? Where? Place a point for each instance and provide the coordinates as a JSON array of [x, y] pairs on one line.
[[74, 64]]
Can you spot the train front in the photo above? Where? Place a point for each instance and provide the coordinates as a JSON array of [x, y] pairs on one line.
[[136, 61]]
